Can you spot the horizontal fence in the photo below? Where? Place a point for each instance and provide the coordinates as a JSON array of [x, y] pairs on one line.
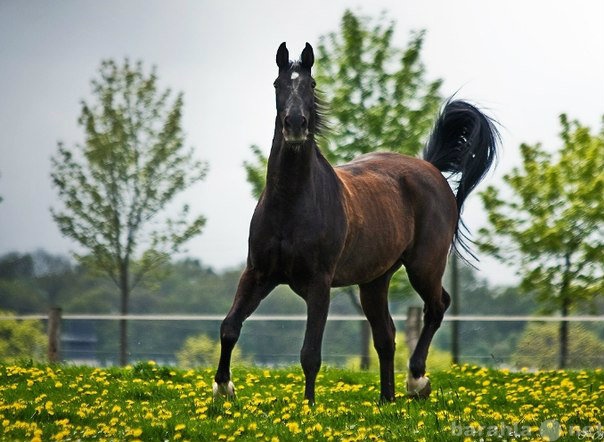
[[274, 339]]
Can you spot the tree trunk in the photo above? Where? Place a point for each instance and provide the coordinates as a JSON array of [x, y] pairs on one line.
[[413, 327], [365, 345], [124, 299], [365, 331], [563, 362], [54, 335], [455, 308], [564, 310]]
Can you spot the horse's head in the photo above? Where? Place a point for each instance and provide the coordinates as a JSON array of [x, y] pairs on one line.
[[294, 89]]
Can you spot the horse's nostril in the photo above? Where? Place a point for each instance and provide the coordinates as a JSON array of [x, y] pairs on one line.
[[295, 122]]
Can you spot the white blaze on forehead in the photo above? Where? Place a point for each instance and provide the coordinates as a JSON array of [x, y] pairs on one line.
[[295, 75]]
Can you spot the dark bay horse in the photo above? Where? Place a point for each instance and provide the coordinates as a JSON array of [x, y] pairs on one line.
[[317, 227]]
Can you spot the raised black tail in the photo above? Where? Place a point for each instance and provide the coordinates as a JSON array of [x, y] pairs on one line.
[[463, 143]]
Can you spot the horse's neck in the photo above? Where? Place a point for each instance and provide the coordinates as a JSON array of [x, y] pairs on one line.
[[295, 171]]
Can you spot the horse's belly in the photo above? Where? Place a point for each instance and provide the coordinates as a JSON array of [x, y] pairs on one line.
[[368, 260]]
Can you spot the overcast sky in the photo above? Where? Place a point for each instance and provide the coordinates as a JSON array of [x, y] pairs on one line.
[[524, 61]]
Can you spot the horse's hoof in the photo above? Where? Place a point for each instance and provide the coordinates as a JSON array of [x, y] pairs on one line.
[[223, 390], [418, 388]]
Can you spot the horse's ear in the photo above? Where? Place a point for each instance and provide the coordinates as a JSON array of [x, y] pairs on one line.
[[282, 57], [307, 58]]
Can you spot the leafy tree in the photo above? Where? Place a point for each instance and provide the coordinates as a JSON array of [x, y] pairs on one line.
[[550, 226], [116, 185], [379, 99], [21, 339]]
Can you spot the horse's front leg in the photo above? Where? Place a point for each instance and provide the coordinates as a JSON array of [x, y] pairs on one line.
[[253, 287], [316, 295], [374, 300]]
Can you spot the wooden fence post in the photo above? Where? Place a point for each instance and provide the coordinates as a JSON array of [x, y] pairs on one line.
[[54, 334], [413, 327]]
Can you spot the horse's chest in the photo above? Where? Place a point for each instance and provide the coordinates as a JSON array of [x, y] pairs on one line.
[[290, 243], [294, 247]]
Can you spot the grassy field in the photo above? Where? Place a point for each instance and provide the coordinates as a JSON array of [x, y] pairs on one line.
[[148, 402]]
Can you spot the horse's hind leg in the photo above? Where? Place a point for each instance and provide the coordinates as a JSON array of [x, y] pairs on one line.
[[374, 299], [427, 282], [252, 289]]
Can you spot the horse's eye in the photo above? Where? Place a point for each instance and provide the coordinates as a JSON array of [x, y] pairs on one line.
[[313, 84]]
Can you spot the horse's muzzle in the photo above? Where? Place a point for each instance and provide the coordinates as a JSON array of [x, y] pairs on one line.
[[295, 128]]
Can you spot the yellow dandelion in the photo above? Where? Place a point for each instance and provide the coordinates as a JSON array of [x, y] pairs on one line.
[[293, 427], [49, 407]]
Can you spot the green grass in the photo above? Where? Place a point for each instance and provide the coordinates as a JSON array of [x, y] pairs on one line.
[[149, 402]]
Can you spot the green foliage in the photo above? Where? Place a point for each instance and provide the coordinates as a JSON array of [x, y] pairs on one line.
[[256, 171], [21, 339], [438, 359], [377, 94], [21, 287], [16, 266], [550, 224], [537, 347], [202, 351], [132, 164]]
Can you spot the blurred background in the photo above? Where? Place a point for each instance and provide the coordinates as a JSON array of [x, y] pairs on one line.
[[524, 63]]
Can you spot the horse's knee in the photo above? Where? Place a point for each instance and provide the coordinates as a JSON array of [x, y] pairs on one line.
[[310, 359], [229, 333], [434, 314], [385, 347]]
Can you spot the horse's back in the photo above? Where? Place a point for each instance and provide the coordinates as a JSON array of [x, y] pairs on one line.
[[391, 201]]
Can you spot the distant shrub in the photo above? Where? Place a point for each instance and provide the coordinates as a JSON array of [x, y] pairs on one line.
[[437, 359], [21, 339], [539, 347], [203, 351]]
